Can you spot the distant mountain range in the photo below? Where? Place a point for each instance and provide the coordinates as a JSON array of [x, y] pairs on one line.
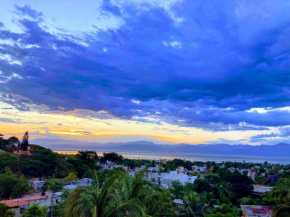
[[279, 150]]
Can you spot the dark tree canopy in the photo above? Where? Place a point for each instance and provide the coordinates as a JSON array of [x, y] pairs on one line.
[[25, 142], [13, 141], [112, 156]]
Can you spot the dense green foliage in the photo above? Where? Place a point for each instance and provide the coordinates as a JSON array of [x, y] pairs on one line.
[[54, 185], [224, 211], [12, 186], [4, 212], [7, 160], [35, 210], [113, 193]]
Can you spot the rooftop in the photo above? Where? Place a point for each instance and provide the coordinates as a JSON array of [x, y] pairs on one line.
[[260, 189], [23, 201], [256, 211]]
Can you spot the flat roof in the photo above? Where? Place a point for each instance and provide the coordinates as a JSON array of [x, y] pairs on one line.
[[256, 210], [23, 200], [260, 189]]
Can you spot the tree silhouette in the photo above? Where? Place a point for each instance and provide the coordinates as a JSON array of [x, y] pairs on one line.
[[25, 142]]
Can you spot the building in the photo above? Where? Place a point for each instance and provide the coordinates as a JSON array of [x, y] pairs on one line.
[[132, 173], [252, 173], [198, 169], [153, 169], [20, 204], [109, 165], [179, 203], [86, 182], [36, 183], [181, 169], [151, 176], [70, 187], [256, 211], [140, 168], [21, 151], [260, 189], [168, 178]]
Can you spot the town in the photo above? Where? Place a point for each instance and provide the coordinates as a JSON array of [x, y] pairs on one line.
[[33, 177]]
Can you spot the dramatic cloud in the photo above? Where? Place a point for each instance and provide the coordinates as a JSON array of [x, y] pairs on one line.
[[189, 63]]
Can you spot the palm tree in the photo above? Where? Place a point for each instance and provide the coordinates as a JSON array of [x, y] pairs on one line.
[[194, 204], [148, 196], [282, 210], [282, 190], [130, 188], [225, 194], [101, 201]]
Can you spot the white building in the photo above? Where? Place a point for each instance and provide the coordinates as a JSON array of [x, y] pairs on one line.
[[36, 184], [168, 178], [198, 169], [20, 204], [132, 173], [86, 182], [70, 187]]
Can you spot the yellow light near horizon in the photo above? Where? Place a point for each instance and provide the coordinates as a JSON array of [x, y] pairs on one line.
[[69, 125]]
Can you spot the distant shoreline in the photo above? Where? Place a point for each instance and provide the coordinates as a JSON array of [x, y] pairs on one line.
[[190, 157]]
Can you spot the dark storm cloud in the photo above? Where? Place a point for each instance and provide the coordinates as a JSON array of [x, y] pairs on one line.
[[222, 55]]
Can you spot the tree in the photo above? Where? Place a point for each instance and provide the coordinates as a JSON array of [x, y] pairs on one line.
[[99, 202], [147, 195], [213, 178], [12, 186], [71, 177], [35, 211], [177, 189], [282, 210], [224, 192], [223, 211], [88, 157], [13, 141], [247, 201], [46, 163], [25, 142], [201, 185], [4, 212], [53, 185], [241, 184], [194, 204], [2, 143], [7, 160], [282, 190], [112, 156]]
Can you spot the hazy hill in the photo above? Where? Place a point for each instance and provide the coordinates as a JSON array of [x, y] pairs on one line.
[[279, 150]]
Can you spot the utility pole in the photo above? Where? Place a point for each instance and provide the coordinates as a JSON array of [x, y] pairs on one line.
[[51, 204]]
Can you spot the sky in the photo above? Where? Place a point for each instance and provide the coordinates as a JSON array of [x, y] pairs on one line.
[[165, 71]]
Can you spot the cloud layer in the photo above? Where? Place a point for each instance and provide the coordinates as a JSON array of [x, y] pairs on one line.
[[191, 63]]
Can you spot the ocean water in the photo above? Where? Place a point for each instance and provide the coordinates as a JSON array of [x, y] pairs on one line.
[[191, 157]]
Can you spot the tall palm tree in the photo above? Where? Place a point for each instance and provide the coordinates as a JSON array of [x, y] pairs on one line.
[[101, 202], [133, 187], [146, 194], [225, 194], [282, 210], [282, 190], [194, 204]]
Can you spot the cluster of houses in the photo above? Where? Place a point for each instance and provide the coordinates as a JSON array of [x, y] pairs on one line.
[[18, 205], [152, 174], [47, 198]]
